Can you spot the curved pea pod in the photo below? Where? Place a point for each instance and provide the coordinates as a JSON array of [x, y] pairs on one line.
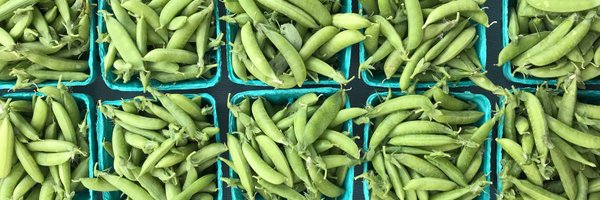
[[456, 117], [171, 55], [419, 165], [350, 21], [276, 155], [481, 134], [28, 162], [347, 114], [452, 171], [259, 166], [98, 184], [290, 54], [553, 37], [7, 143], [448, 102], [430, 184], [290, 11], [421, 127], [322, 184], [563, 46], [40, 114], [316, 9], [372, 40], [181, 36], [207, 153], [389, 32], [533, 190], [342, 142], [142, 122], [516, 153], [449, 8], [255, 54], [559, 7], [406, 102], [570, 152], [53, 159], [142, 10], [240, 164], [322, 68], [461, 42], [384, 129], [281, 190], [124, 45], [340, 41], [170, 10], [415, 24], [155, 156], [188, 106], [472, 190], [314, 42], [424, 140], [23, 126], [128, 187], [264, 122], [320, 120], [572, 135]]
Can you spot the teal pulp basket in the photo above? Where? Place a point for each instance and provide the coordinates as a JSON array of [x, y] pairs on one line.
[[343, 56], [92, 59], [283, 97], [586, 96], [483, 105], [86, 106], [378, 78], [507, 67], [135, 85], [105, 126]]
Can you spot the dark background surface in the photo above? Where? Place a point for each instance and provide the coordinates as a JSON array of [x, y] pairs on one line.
[[358, 93]]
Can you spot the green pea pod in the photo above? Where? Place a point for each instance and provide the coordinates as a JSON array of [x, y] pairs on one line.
[[321, 119], [290, 11], [124, 45], [29, 164], [290, 54], [7, 143]]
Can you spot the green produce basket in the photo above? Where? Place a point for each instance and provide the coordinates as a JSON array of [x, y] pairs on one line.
[[284, 97], [586, 96], [344, 57], [378, 79], [134, 85], [86, 105], [483, 105], [105, 126], [507, 67], [92, 59]]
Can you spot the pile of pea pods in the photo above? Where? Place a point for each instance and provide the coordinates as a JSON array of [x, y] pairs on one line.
[[166, 41], [423, 41], [161, 149], [419, 151], [551, 140], [551, 40], [44, 146], [282, 43], [294, 151], [44, 41]]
